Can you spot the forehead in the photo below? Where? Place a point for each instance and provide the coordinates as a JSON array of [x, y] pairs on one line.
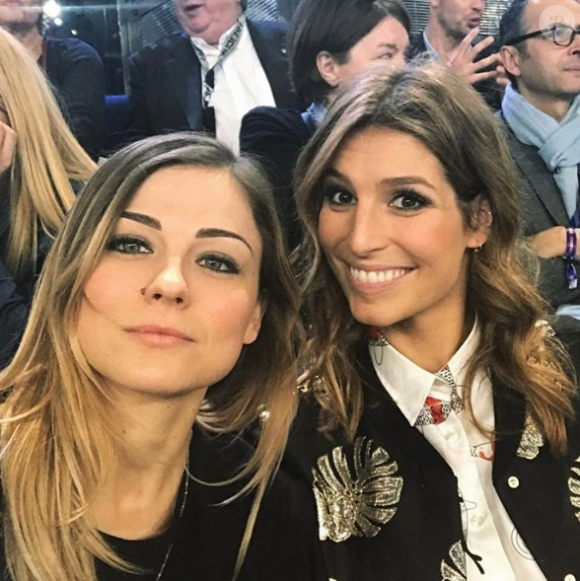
[[388, 30], [189, 197], [377, 153], [541, 14]]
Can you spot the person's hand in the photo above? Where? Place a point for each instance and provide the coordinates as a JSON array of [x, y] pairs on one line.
[[502, 79], [550, 242], [463, 59], [8, 140]]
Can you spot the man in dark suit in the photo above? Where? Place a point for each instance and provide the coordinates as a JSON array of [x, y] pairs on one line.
[[451, 37], [209, 76], [541, 108]]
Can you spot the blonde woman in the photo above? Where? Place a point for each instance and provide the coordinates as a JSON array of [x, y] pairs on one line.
[[41, 165], [450, 447], [166, 302]]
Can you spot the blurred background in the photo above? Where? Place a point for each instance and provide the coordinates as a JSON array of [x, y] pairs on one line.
[[118, 28]]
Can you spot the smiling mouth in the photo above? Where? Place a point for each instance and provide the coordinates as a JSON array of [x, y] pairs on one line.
[[378, 276]]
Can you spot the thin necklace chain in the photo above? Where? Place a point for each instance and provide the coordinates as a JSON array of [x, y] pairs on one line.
[[181, 511]]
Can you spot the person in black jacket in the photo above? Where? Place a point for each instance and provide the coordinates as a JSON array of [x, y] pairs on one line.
[[74, 69], [330, 42], [207, 77], [439, 428], [160, 345], [41, 167]]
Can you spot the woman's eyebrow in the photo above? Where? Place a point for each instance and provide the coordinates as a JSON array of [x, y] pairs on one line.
[[142, 219], [220, 233]]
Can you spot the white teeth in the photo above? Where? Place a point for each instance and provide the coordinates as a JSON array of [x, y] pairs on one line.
[[377, 276]]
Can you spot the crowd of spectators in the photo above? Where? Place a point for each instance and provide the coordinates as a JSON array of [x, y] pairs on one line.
[[369, 134], [264, 89]]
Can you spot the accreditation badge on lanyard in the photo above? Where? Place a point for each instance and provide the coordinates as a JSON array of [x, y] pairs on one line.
[[209, 78]]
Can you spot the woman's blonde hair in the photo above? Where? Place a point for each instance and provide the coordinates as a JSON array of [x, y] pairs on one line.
[[56, 439], [432, 104], [38, 184]]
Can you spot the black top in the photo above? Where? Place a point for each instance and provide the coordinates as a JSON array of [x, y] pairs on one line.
[[276, 137], [76, 72], [206, 539], [489, 90], [14, 298], [403, 520]]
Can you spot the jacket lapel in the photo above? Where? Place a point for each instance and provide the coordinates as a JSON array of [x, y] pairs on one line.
[[383, 420], [272, 55], [184, 70], [540, 179], [510, 415]]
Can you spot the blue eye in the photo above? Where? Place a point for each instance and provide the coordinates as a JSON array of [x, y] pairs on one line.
[[409, 201], [219, 263], [126, 244]]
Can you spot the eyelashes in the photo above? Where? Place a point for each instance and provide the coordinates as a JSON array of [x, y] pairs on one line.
[[405, 200], [409, 200], [219, 263], [133, 245], [128, 244]]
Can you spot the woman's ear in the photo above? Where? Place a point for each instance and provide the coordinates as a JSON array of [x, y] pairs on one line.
[[328, 68], [481, 221], [255, 322]]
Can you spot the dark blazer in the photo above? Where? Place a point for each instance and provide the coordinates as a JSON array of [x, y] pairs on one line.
[[15, 298], [487, 89], [542, 208], [276, 137], [165, 80], [417, 526], [76, 71]]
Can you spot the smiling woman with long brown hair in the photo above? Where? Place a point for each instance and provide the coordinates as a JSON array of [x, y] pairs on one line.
[[449, 446], [166, 302]]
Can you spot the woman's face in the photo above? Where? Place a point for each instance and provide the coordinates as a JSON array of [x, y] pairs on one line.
[[393, 233], [174, 298], [385, 44], [19, 11]]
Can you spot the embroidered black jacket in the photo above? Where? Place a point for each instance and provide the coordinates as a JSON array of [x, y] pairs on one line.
[[389, 506]]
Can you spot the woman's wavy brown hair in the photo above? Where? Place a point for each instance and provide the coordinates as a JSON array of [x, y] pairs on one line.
[[57, 441], [432, 104]]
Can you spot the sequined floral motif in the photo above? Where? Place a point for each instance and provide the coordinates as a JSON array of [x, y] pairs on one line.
[[457, 571], [532, 439], [350, 506], [574, 487]]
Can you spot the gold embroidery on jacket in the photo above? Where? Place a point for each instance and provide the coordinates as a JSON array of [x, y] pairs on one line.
[[459, 571], [532, 439], [574, 486], [350, 506]]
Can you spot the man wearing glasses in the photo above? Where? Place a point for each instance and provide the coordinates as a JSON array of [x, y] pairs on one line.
[[541, 107]]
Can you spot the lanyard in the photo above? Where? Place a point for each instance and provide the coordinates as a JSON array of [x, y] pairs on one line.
[[209, 78]]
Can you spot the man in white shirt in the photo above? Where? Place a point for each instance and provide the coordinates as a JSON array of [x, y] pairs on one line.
[[209, 76]]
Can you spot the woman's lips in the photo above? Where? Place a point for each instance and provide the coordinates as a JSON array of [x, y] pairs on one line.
[[158, 336]]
